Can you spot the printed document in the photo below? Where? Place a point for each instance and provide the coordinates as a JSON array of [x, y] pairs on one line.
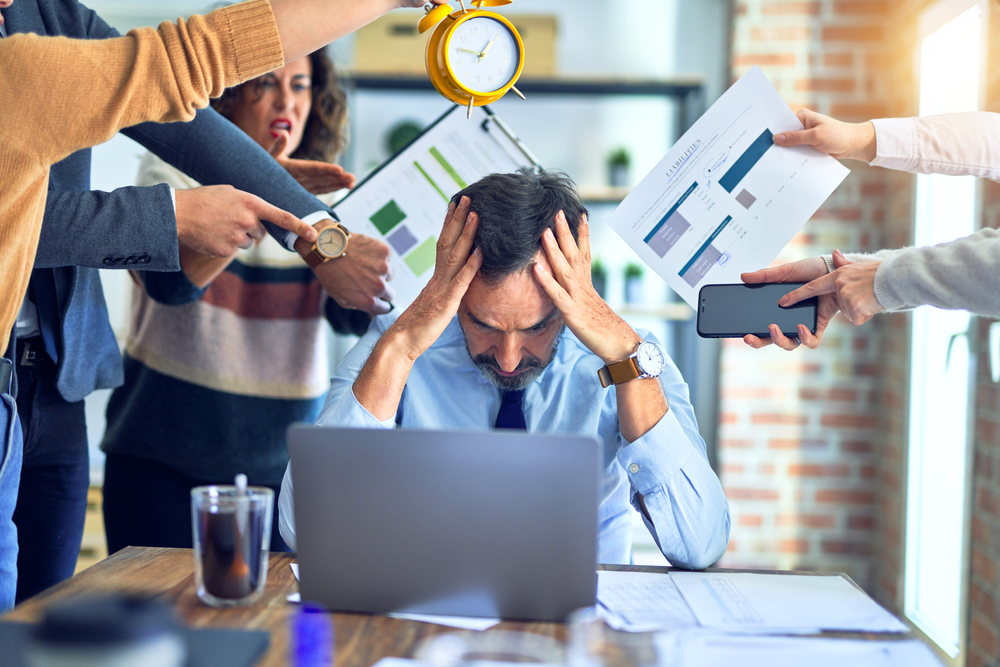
[[725, 199], [774, 603], [641, 601], [727, 651], [403, 202]]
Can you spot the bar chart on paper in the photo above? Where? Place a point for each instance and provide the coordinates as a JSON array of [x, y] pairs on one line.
[[725, 199], [403, 203]]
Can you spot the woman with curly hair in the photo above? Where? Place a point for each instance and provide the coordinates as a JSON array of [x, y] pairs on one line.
[[222, 356]]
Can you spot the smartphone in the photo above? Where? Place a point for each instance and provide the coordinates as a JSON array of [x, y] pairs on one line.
[[733, 311]]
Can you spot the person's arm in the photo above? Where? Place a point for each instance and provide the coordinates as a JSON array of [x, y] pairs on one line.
[[945, 144], [127, 228], [673, 486]]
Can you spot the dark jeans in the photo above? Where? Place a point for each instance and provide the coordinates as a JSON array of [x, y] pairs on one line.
[[52, 500], [147, 504], [10, 477]]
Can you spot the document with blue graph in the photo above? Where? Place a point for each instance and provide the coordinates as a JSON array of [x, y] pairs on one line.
[[404, 201], [726, 199]]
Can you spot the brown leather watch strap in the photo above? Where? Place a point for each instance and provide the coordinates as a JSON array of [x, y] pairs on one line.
[[313, 258], [620, 372]]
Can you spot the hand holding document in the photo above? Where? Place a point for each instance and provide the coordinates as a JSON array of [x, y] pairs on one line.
[[725, 199]]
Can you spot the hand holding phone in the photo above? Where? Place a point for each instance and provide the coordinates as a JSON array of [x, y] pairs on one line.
[[738, 310]]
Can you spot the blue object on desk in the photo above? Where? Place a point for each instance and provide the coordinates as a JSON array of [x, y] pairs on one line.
[[312, 637]]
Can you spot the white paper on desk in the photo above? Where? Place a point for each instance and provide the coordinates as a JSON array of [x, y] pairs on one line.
[[775, 603], [404, 202], [463, 622], [724, 199], [409, 662], [702, 650], [641, 601]]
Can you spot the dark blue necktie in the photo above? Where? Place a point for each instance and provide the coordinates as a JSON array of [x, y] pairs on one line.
[[511, 415], [43, 288]]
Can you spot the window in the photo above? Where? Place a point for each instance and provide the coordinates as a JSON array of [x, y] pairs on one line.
[[941, 388]]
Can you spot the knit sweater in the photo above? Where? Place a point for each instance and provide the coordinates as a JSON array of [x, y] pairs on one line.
[[214, 376], [960, 274], [60, 95]]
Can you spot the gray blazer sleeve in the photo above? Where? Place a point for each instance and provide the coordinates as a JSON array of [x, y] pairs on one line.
[[128, 228], [213, 151]]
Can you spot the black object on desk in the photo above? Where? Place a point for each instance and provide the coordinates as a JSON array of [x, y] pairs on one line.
[[207, 647]]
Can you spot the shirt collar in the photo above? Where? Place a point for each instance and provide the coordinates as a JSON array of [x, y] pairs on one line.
[[3, 29]]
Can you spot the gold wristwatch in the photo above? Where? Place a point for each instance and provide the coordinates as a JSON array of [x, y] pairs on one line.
[[331, 244], [647, 362]]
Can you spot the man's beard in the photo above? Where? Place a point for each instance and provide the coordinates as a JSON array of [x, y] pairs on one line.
[[531, 366]]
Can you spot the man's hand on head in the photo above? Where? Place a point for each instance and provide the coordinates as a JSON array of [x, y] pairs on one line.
[[358, 279], [420, 325], [218, 220], [566, 279]]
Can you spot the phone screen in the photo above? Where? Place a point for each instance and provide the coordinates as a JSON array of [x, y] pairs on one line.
[[733, 311]]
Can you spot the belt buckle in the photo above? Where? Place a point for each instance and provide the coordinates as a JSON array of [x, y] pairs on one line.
[[29, 357]]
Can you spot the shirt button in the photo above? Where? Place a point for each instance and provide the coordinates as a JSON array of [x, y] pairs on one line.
[[634, 468]]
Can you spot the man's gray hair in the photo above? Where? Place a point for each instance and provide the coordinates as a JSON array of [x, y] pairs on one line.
[[514, 210]]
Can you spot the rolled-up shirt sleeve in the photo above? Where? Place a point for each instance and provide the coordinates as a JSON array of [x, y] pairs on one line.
[[669, 467]]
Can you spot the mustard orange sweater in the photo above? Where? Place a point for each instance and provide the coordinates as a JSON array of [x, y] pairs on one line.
[[60, 95]]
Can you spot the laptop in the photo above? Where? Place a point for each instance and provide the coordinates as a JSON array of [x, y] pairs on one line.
[[492, 524]]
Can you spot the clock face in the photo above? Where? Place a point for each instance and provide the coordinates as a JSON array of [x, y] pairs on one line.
[[332, 242], [649, 359], [483, 54]]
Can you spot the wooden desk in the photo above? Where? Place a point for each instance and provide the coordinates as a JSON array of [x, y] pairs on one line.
[[361, 639]]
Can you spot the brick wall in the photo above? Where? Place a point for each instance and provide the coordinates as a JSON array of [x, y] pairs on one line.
[[813, 444], [799, 431]]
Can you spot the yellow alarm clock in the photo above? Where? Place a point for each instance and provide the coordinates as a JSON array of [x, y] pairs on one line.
[[473, 56]]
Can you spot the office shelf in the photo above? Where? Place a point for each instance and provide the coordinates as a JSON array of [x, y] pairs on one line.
[[603, 194]]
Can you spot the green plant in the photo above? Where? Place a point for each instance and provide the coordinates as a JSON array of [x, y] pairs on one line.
[[597, 270], [633, 270], [620, 156]]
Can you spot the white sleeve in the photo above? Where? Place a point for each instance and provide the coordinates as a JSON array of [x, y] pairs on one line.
[[958, 144]]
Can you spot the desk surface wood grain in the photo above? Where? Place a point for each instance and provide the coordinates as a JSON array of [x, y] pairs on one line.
[[361, 639]]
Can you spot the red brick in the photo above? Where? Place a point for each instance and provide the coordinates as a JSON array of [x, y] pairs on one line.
[[750, 494], [736, 443], [816, 470], [845, 548], [808, 394], [793, 546], [806, 520], [765, 469], [732, 468], [792, 443], [765, 59], [826, 85], [983, 601], [838, 59], [984, 637], [854, 33], [984, 567], [868, 472], [777, 418], [856, 446], [753, 392], [862, 7], [861, 522], [857, 112], [751, 520], [849, 421], [791, 8], [845, 497], [728, 418]]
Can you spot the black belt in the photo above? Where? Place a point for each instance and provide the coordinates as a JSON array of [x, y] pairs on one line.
[[31, 352], [6, 372]]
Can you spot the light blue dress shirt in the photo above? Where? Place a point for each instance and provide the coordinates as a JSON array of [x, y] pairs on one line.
[[668, 465]]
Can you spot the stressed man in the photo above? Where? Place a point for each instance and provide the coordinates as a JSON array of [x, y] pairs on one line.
[[510, 333]]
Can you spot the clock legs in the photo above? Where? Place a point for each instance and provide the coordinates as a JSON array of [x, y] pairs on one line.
[[519, 93], [469, 112]]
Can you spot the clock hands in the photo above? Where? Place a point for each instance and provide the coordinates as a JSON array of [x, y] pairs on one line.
[[486, 50], [475, 53]]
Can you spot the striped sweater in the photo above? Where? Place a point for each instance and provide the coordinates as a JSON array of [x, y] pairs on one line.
[[213, 377]]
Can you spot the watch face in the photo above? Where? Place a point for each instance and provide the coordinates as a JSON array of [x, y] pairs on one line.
[[649, 359], [332, 242], [483, 54]]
